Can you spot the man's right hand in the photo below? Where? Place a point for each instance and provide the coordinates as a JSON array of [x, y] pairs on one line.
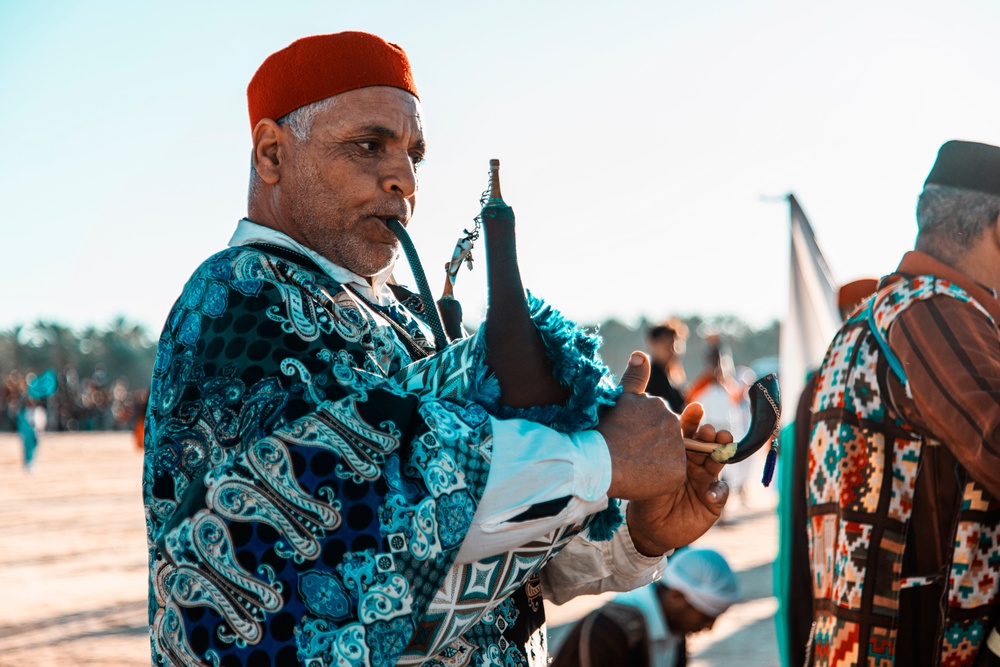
[[676, 495], [644, 438]]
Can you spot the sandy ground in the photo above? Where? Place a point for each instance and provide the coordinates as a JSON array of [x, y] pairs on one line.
[[72, 553], [73, 562]]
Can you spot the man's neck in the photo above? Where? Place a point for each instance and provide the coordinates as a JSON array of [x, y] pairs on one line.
[[250, 230], [982, 264], [262, 211]]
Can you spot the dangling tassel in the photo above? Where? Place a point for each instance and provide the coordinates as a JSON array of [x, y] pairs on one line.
[[770, 463], [603, 525]]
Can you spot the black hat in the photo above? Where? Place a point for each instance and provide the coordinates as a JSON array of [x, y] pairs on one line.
[[967, 165]]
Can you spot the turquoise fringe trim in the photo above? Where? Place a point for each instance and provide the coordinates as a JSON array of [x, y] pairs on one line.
[[603, 525], [577, 365]]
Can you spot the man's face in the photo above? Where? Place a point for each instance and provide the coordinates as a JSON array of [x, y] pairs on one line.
[[356, 169], [689, 620], [682, 618]]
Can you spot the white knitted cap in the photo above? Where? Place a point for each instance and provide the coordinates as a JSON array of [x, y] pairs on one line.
[[705, 579]]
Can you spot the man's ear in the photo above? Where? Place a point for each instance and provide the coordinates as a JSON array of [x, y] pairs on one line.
[[268, 150]]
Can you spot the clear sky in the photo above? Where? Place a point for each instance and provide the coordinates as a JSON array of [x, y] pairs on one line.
[[637, 140]]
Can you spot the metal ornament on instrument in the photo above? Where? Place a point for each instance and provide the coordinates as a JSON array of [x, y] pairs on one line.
[[465, 244], [461, 254], [448, 305]]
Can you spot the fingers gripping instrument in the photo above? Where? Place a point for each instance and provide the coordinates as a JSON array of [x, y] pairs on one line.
[[765, 411]]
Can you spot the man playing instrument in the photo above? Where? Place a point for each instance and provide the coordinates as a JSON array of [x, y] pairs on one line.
[[325, 487], [904, 456]]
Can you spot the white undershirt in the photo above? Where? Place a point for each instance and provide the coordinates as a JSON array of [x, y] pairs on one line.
[[531, 464]]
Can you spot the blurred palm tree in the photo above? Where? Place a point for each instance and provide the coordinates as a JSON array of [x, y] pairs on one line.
[[121, 350]]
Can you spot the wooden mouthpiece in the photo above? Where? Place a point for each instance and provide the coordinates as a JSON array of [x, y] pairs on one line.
[[698, 446], [495, 180]]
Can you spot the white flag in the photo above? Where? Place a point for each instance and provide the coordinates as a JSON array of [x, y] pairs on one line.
[[813, 316]]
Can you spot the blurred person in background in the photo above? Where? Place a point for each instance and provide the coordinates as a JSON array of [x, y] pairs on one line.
[[647, 627], [30, 420], [665, 343], [724, 398], [140, 403]]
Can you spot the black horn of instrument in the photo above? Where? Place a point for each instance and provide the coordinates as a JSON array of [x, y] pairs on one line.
[[514, 348]]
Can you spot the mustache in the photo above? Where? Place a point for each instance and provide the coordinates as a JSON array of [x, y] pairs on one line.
[[385, 212]]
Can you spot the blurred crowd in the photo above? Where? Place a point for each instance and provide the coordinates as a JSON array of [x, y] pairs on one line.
[[93, 403]]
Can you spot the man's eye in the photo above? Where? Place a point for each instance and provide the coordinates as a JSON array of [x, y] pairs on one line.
[[370, 146], [417, 160]]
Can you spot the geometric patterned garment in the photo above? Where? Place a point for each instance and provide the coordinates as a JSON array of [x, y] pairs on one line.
[[309, 479], [863, 465]]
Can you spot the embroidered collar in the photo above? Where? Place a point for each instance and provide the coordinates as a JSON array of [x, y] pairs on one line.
[[377, 291], [916, 263]]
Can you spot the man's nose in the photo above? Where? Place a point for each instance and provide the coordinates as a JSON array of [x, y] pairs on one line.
[[401, 177]]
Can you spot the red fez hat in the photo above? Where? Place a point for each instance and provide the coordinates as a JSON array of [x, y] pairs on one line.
[[314, 68], [853, 293]]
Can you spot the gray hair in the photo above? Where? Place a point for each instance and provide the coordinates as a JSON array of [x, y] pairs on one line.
[[300, 122], [951, 220]]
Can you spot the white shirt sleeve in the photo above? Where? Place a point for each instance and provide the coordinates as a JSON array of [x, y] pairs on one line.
[[586, 567], [533, 464]]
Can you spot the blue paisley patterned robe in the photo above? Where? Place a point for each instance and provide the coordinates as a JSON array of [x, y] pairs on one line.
[[309, 478]]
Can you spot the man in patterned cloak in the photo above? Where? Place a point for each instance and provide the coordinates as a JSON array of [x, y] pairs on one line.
[[322, 486], [904, 455]]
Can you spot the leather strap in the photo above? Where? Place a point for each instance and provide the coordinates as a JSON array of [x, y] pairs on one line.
[[287, 254], [433, 318]]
